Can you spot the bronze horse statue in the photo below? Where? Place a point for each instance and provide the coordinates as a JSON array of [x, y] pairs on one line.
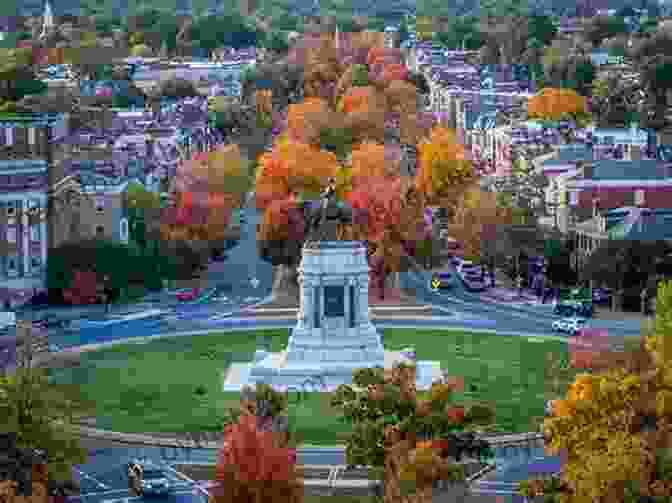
[[324, 222]]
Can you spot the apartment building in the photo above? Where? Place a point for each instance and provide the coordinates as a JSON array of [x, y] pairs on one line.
[[25, 155]]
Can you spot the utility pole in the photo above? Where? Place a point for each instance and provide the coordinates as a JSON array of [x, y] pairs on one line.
[[24, 341]]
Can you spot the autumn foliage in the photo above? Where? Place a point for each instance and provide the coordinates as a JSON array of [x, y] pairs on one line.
[[371, 161], [475, 215], [255, 466], [556, 104], [614, 424], [83, 288], [443, 164], [392, 444], [209, 186], [293, 167]]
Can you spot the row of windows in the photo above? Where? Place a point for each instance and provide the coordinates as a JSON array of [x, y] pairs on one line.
[[11, 206], [13, 263], [11, 233]]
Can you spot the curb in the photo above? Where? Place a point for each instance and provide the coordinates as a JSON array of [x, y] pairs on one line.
[[149, 440]]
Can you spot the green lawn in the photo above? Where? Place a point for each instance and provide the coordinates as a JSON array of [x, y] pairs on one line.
[[153, 387]]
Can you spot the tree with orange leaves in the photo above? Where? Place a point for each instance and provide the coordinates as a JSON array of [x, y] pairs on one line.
[[373, 161], [387, 220], [444, 169], [395, 71], [553, 104], [293, 167], [209, 186]]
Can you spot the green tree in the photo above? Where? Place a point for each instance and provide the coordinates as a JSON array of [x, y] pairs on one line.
[[143, 207], [542, 28], [603, 27], [275, 41], [17, 78], [44, 415], [461, 30], [572, 72], [141, 50]]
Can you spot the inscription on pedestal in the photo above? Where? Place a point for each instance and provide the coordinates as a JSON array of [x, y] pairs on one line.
[[334, 301]]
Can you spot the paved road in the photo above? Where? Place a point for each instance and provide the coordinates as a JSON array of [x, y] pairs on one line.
[[456, 307], [530, 318], [103, 477]]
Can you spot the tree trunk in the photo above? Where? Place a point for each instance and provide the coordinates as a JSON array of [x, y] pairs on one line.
[[285, 282]]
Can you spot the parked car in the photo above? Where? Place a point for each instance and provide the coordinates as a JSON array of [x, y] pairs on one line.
[[187, 294], [445, 279], [455, 261], [569, 325], [573, 308], [601, 295]]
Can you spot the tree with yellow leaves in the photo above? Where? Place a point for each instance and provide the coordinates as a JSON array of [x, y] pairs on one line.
[[475, 214], [615, 424], [443, 166]]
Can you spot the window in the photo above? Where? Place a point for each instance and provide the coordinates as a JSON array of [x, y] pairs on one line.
[[100, 230], [35, 232], [100, 205], [11, 234], [123, 230], [573, 198]]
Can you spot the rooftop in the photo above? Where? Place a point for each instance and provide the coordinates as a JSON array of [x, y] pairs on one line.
[[644, 169]]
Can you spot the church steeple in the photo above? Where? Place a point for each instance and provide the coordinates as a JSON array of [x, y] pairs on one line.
[[47, 20]]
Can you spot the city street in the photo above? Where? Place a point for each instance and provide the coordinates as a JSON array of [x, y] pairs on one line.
[[103, 478]]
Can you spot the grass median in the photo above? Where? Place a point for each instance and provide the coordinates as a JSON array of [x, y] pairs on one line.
[[174, 384]]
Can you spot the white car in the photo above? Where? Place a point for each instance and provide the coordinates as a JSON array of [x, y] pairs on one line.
[[569, 325]]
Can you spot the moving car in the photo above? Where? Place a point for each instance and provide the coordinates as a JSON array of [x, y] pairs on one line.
[[187, 294], [569, 325], [148, 479]]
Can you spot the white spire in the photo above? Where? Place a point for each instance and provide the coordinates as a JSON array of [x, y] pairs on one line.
[[338, 37], [47, 19]]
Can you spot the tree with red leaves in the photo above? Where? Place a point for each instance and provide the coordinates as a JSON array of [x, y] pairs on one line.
[[256, 464], [83, 288]]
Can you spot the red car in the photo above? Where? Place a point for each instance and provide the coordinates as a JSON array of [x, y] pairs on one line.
[[187, 294]]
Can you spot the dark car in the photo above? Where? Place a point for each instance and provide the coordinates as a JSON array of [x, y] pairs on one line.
[[147, 479], [601, 295], [571, 308], [444, 280]]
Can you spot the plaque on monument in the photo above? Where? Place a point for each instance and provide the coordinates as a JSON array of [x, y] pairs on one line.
[[334, 301]]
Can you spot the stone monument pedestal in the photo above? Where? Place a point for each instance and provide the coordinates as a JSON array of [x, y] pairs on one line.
[[334, 335]]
